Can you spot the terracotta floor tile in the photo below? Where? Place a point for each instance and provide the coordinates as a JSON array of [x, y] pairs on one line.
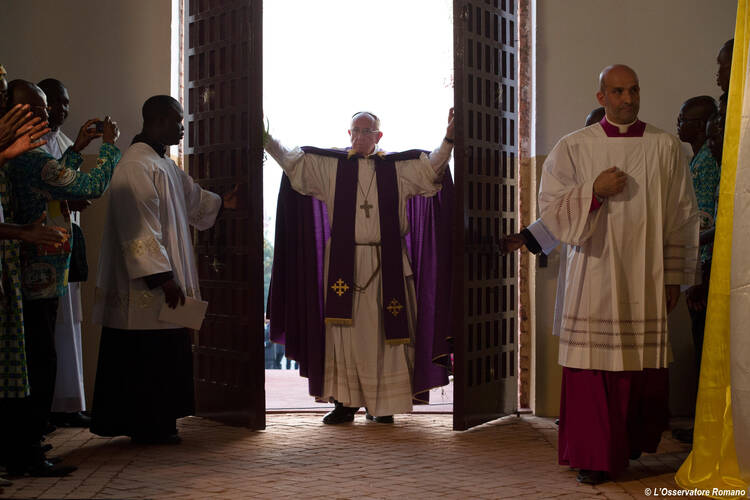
[[298, 457]]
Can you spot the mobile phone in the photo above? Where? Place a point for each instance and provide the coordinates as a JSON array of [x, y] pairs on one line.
[[99, 126]]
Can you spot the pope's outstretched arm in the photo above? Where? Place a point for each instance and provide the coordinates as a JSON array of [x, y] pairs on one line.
[[442, 154], [308, 173]]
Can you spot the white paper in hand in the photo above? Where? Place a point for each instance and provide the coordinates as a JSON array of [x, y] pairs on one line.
[[189, 315]]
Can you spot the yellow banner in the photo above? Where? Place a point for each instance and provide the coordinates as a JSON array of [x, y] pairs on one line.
[[713, 461]]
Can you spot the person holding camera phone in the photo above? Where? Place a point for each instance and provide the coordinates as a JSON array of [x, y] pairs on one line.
[[69, 399]]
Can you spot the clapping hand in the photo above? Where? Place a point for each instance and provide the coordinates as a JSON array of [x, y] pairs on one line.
[[11, 122], [28, 137]]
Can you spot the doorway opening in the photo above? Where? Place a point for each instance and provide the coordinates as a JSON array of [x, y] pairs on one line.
[[324, 61]]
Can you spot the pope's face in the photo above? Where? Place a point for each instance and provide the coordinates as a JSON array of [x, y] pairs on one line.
[[622, 95], [364, 135]]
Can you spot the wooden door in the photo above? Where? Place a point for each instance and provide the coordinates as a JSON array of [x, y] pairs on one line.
[[485, 283], [223, 116]]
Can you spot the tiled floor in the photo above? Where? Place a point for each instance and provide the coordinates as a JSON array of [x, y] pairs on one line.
[[299, 457], [286, 390]]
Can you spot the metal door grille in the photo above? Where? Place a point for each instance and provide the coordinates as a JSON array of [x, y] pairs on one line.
[[486, 152], [223, 143]]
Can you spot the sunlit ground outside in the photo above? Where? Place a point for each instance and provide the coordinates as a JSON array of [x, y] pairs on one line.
[[323, 61]]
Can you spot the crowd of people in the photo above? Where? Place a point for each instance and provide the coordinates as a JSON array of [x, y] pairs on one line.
[[633, 217], [145, 376]]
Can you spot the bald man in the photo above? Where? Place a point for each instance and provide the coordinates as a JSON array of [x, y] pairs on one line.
[[620, 195]]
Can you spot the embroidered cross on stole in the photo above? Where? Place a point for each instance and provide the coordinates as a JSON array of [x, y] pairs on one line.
[[340, 282]]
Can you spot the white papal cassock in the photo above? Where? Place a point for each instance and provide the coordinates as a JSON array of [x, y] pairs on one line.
[[152, 204], [360, 368], [621, 255]]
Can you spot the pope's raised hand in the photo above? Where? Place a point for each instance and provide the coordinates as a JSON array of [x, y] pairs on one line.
[[450, 132]]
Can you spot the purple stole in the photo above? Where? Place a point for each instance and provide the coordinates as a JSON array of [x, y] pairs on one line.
[[340, 284], [635, 130]]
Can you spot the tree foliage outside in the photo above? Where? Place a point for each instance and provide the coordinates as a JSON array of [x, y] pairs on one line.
[[267, 262]]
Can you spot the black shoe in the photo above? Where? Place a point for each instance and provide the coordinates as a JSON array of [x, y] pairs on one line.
[[683, 435], [340, 415], [46, 447], [163, 439], [74, 419], [43, 468], [592, 477], [635, 455], [385, 419]]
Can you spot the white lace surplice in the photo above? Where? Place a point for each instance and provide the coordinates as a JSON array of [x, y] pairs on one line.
[[152, 204], [622, 255]]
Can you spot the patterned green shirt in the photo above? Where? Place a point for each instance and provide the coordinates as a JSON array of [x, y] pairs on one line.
[[14, 379], [36, 179], [706, 173]]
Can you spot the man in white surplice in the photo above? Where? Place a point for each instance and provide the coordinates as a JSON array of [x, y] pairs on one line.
[[620, 195], [361, 368], [144, 379]]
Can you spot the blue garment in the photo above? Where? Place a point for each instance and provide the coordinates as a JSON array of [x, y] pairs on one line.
[[706, 174], [36, 180]]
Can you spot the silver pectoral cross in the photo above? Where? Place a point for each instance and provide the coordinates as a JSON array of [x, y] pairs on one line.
[[366, 207]]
